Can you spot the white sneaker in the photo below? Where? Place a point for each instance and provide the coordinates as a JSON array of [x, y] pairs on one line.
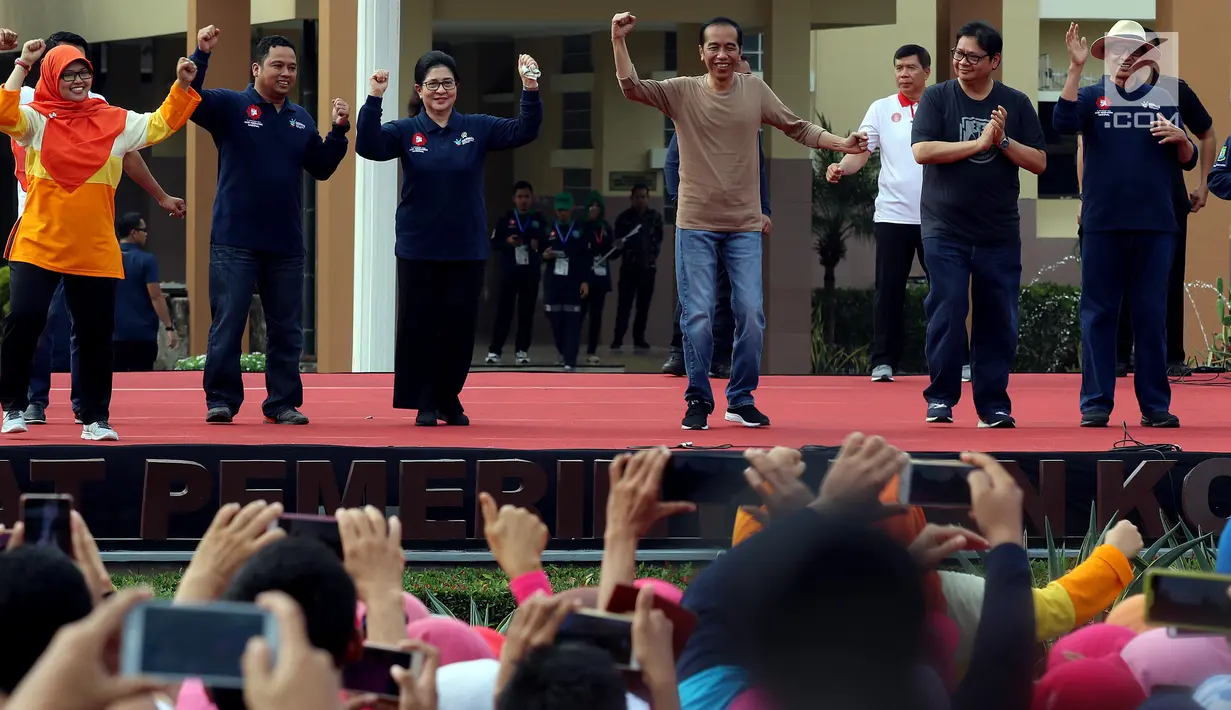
[[492, 359], [523, 357], [593, 360], [965, 373], [882, 373], [99, 431], [14, 423]]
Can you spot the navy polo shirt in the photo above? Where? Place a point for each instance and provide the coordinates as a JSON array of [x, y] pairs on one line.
[[442, 215], [262, 153], [135, 318]]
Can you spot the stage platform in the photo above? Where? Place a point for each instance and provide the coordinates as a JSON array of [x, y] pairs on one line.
[[544, 440]]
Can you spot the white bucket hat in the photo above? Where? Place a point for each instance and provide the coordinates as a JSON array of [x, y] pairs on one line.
[[1128, 31]]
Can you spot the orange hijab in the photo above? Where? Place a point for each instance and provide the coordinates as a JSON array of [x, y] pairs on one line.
[[79, 135]]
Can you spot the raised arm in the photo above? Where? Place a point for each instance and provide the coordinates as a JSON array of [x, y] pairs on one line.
[[325, 155], [659, 94], [210, 114], [806, 133], [16, 121], [1072, 112], [145, 129], [505, 133], [375, 140]]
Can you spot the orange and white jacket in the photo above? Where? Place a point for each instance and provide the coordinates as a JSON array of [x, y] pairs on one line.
[[74, 232]]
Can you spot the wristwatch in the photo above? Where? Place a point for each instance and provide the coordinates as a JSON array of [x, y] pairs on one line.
[[1004, 143]]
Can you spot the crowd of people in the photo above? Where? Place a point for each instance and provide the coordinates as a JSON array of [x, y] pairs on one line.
[[828, 599]]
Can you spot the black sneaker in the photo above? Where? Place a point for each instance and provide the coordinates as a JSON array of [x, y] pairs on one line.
[[1160, 420], [37, 414], [698, 415], [219, 415], [720, 371], [1095, 419], [453, 419], [288, 416], [939, 413], [675, 365], [998, 420], [747, 415], [426, 417]]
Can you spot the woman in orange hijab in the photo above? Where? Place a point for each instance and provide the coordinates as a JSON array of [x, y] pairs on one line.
[[75, 146]]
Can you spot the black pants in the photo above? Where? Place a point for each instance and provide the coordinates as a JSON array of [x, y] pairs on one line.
[[724, 320], [438, 308], [592, 308], [134, 355], [636, 283], [91, 303], [1177, 302], [566, 331], [519, 291], [896, 247]]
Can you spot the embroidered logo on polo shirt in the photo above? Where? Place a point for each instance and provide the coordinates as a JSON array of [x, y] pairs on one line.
[[1103, 102], [420, 143], [1222, 154], [297, 124], [896, 117], [465, 139], [253, 113]]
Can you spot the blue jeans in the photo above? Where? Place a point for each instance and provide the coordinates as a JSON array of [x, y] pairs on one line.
[[696, 274], [990, 275], [233, 274], [1129, 269], [56, 351]]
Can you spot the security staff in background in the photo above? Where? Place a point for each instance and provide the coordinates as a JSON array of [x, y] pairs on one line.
[[724, 320], [641, 228], [140, 306], [606, 249], [568, 258], [265, 144], [1133, 136], [516, 238], [898, 235]]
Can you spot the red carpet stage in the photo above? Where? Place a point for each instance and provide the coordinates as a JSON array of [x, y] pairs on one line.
[[544, 440]]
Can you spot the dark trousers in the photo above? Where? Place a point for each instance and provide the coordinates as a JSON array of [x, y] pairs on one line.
[[1125, 269], [56, 352], [134, 355], [592, 309], [233, 275], [896, 247], [724, 320], [993, 275], [1177, 301], [91, 303], [519, 291], [636, 284], [438, 310], [566, 331]]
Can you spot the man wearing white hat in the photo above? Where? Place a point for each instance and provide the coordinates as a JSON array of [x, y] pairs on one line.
[[1132, 137]]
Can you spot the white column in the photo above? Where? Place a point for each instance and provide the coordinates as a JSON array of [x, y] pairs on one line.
[[376, 197]]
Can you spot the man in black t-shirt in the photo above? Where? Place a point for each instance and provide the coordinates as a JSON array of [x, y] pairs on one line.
[[972, 134]]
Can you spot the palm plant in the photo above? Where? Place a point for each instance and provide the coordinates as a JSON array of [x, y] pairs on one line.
[[477, 617], [840, 211]]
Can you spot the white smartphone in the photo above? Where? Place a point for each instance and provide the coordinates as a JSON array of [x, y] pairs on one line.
[[612, 633], [202, 641], [935, 484]]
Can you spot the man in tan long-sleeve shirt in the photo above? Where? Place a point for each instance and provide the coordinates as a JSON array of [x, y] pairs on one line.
[[717, 117]]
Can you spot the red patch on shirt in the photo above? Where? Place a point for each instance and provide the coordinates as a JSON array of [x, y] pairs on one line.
[[1104, 102], [254, 112], [419, 139], [896, 117]]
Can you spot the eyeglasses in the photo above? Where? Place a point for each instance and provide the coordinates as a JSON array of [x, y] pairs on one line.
[[960, 56], [83, 75], [446, 84]]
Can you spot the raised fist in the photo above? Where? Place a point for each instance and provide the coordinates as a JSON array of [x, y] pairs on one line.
[[207, 37], [834, 172], [378, 83], [8, 40], [529, 71], [32, 51], [622, 24], [341, 113], [185, 72]]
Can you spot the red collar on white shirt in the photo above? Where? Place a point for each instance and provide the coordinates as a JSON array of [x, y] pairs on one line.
[[905, 101]]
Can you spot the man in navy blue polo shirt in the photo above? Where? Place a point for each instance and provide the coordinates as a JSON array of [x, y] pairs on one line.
[[140, 306], [1132, 137], [265, 142]]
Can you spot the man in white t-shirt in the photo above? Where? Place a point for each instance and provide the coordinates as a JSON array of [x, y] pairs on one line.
[[898, 237]]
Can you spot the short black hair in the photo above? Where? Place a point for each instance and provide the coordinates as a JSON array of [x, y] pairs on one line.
[[430, 61], [988, 37], [914, 50], [41, 590], [562, 678], [267, 44], [722, 22], [58, 38], [641, 186], [126, 223], [312, 575], [523, 185]]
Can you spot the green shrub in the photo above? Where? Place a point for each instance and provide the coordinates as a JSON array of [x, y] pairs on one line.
[[248, 362], [1049, 331]]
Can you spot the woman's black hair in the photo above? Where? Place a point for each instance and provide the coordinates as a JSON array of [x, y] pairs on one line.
[[430, 61]]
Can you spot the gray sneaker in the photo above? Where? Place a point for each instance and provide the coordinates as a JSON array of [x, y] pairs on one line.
[[36, 414], [965, 373], [882, 373]]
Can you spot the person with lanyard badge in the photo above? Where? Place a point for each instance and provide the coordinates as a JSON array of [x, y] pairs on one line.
[[606, 249], [1133, 138], [569, 261], [442, 241], [516, 237]]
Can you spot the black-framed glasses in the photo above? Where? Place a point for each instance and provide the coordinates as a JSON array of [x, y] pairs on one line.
[[972, 59], [446, 84], [83, 75]]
